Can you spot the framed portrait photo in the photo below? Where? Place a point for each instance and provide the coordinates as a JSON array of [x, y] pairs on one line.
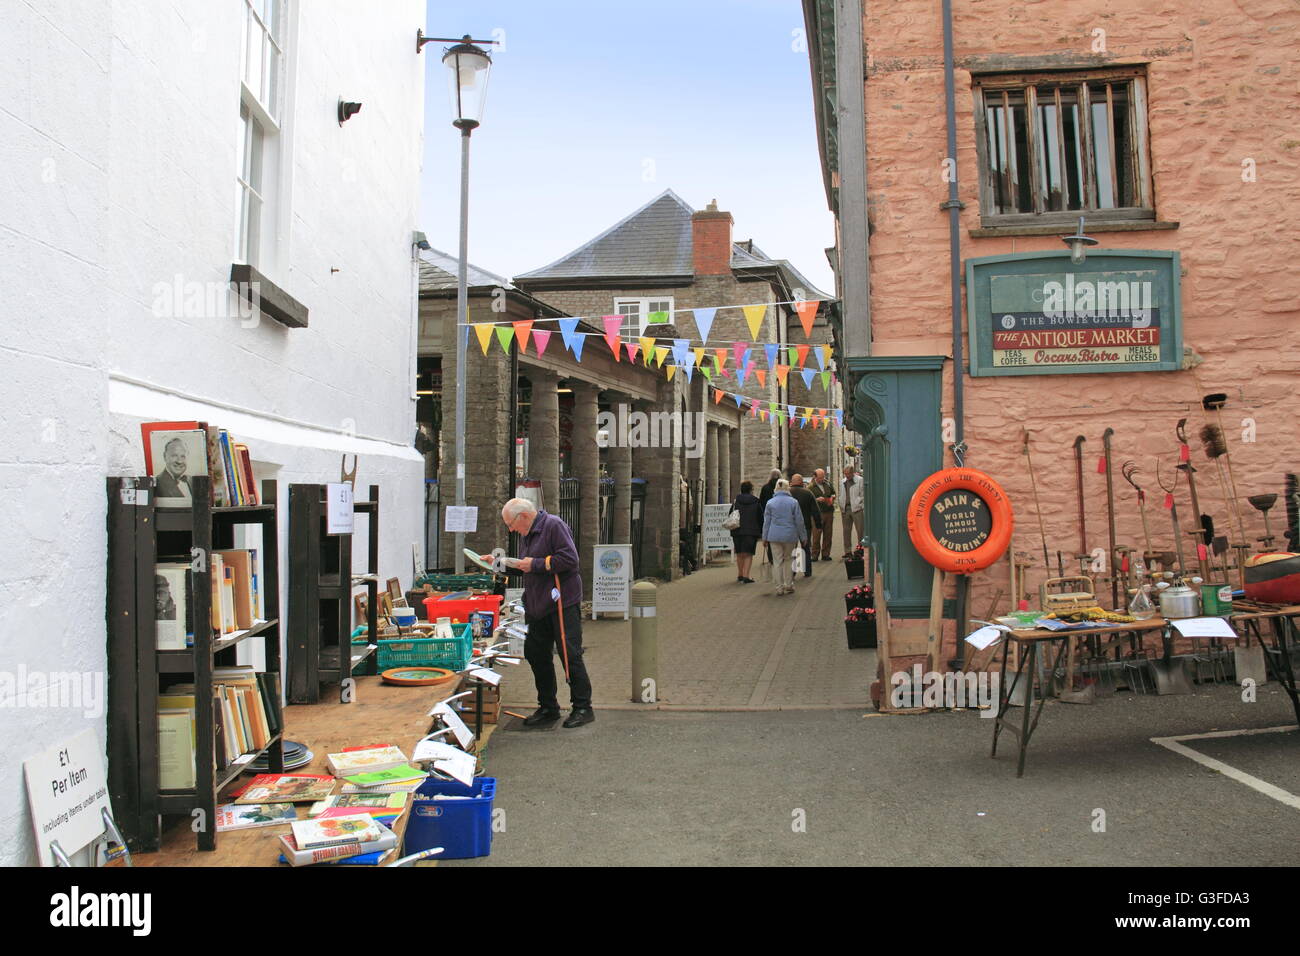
[[177, 457], [173, 626]]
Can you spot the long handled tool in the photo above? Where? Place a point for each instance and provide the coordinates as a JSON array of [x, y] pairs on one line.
[[1216, 402], [564, 644], [1203, 538], [1078, 468], [1110, 516], [1216, 448], [1024, 434], [1129, 469], [1172, 500]]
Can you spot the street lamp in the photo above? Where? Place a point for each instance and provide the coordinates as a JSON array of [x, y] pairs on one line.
[[469, 67], [1079, 244]]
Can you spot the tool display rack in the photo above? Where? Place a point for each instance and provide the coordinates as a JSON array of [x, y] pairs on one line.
[[138, 533], [321, 586]]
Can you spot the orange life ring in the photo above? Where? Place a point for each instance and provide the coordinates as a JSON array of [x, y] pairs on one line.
[[960, 520]]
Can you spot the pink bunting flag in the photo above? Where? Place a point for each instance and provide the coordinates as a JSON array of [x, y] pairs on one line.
[[540, 340], [632, 349], [613, 323]]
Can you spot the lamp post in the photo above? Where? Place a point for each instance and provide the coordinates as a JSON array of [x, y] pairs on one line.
[[469, 67]]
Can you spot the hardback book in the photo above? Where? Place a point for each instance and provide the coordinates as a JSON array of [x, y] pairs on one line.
[[246, 470], [359, 761], [173, 623], [175, 457], [408, 787], [228, 599], [146, 437], [246, 679], [298, 857], [216, 466], [216, 569], [380, 778], [376, 804], [232, 476], [234, 817], [176, 769], [255, 583], [286, 788], [336, 831], [241, 568]]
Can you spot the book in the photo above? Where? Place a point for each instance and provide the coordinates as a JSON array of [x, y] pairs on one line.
[[173, 623], [217, 573], [341, 830], [298, 857], [410, 786], [176, 766], [246, 470], [234, 817], [228, 598], [228, 462], [258, 705], [379, 778], [216, 466], [254, 579], [371, 759], [376, 804], [176, 456], [241, 567], [146, 435], [285, 788]]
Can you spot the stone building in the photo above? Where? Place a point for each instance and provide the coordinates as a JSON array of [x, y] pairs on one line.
[[1169, 129]]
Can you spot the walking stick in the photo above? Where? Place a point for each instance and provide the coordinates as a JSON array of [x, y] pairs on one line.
[[564, 645]]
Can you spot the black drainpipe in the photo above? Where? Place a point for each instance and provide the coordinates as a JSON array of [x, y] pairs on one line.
[[954, 207]]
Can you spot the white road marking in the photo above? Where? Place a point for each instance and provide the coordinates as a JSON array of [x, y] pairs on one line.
[[1263, 786]]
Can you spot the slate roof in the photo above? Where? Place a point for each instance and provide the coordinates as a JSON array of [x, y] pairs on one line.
[[438, 273], [654, 242]]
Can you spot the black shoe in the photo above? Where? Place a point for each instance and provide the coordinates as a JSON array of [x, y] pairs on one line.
[[579, 716], [542, 716], [747, 580]]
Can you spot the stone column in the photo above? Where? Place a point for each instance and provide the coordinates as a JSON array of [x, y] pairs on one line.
[[738, 473], [620, 469], [727, 490], [586, 468], [658, 466], [711, 464], [544, 437]]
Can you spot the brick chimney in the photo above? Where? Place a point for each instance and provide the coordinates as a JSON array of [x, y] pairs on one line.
[[711, 241]]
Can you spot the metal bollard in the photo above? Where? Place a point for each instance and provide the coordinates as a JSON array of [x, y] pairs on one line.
[[645, 643]]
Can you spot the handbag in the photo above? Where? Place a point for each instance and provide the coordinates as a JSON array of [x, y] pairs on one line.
[[732, 521]]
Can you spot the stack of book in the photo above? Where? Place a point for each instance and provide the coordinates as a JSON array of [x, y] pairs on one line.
[[400, 779], [336, 837], [236, 597], [174, 452], [246, 714], [372, 757]]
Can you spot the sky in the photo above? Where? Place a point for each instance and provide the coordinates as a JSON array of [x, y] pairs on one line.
[[594, 107]]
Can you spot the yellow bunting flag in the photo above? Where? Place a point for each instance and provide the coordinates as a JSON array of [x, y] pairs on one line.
[[484, 332], [672, 370], [504, 334], [522, 330], [699, 357], [807, 315], [647, 344], [754, 315], [826, 353], [661, 353], [782, 373]]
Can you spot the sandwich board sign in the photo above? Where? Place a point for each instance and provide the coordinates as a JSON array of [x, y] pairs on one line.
[[611, 579]]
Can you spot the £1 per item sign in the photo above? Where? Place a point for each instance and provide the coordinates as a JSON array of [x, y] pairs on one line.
[[67, 789]]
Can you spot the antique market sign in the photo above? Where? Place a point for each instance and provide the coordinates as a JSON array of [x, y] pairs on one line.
[[1039, 314]]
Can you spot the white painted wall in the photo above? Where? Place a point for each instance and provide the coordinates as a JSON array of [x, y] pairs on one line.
[[121, 131]]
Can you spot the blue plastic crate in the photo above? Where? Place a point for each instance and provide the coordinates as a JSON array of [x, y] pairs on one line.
[[463, 828], [453, 654]]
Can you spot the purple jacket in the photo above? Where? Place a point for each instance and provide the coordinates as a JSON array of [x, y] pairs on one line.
[[550, 544]]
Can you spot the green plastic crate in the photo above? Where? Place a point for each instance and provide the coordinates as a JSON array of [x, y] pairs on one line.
[[453, 654], [455, 582]]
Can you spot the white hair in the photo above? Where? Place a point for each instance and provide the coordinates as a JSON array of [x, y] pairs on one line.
[[782, 485], [516, 507]]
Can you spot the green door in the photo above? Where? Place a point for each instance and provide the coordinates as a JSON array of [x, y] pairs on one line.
[[896, 413]]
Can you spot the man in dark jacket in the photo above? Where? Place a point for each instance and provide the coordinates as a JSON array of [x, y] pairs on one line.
[[765, 493], [811, 515], [549, 562]]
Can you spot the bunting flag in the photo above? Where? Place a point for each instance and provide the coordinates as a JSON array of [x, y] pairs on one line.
[[748, 355], [647, 344], [717, 396], [541, 338], [782, 372], [792, 356], [802, 352], [704, 322], [807, 375], [522, 329], [504, 334], [672, 369], [807, 315], [754, 315], [803, 422], [679, 350], [762, 415], [771, 349], [699, 356], [826, 354], [613, 323], [689, 370], [688, 358], [721, 356], [484, 332], [566, 333], [742, 371], [738, 352], [826, 380], [578, 342], [839, 417], [661, 353], [737, 398], [708, 371], [821, 359], [632, 349], [657, 318], [789, 410], [761, 374], [753, 410]]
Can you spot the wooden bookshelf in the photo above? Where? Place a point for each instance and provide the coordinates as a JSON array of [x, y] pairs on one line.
[[321, 587], [138, 534]]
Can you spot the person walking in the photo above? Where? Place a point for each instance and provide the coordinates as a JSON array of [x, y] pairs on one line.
[[824, 492], [852, 496], [811, 517], [745, 537], [764, 496], [553, 609], [783, 528]]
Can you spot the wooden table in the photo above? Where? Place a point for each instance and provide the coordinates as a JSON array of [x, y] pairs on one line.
[[380, 714], [1278, 659]]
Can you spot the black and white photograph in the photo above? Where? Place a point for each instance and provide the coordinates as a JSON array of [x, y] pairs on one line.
[[177, 457], [171, 610]]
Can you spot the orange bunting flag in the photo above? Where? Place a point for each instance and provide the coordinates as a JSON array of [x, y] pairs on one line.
[[717, 396], [807, 315], [484, 332], [754, 315], [782, 373], [722, 358], [612, 325], [761, 374], [802, 351], [521, 332]]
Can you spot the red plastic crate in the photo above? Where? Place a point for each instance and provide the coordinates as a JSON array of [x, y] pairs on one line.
[[460, 610]]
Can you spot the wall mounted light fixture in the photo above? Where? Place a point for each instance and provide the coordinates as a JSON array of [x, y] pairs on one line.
[[1079, 244]]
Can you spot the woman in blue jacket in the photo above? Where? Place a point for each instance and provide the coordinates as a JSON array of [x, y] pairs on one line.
[[783, 529]]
